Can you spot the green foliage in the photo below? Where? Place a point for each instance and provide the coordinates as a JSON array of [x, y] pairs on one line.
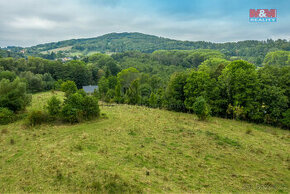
[[126, 77], [81, 92], [213, 67], [251, 50], [277, 58], [48, 81], [198, 84], [232, 89], [201, 108], [71, 114], [110, 95], [68, 87], [153, 100], [155, 83], [57, 84], [239, 81], [274, 103], [133, 93], [145, 63], [36, 65], [107, 87], [37, 117], [118, 94], [275, 76], [237, 112], [77, 108], [174, 96], [7, 75], [286, 118], [54, 106], [103, 86], [112, 82], [145, 91], [6, 116], [105, 62], [34, 81], [13, 95], [90, 107], [195, 58], [75, 71]]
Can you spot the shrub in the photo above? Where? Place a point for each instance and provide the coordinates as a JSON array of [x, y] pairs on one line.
[[54, 106], [57, 84], [90, 107], [286, 120], [71, 114], [78, 108], [110, 95], [6, 116], [69, 87], [82, 92], [13, 95], [75, 100], [37, 117], [236, 112], [133, 93], [174, 96], [7, 75], [153, 100], [201, 108], [118, 94]]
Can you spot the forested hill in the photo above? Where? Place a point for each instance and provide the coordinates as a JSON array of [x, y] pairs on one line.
[[251, 50]]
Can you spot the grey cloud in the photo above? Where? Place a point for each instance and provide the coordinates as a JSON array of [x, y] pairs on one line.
[[31, 22]]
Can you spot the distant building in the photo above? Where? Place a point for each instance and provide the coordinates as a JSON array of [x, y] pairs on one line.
[[90, 89], [66, 59]]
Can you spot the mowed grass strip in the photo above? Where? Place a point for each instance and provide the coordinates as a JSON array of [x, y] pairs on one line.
[[138, 149]]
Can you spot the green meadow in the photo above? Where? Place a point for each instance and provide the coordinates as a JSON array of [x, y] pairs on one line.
[[138, 149]]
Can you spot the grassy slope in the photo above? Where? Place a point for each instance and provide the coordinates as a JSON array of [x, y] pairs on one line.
[[142, 149]]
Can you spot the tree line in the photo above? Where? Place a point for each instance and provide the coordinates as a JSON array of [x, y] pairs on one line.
[[228, 89], [200, 81]]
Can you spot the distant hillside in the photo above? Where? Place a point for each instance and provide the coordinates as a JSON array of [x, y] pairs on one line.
[[11, 53], [250, 50]]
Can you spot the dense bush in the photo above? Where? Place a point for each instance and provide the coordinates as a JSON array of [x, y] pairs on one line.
[[34, 81], [54, 106], [37, 117], [90, 108], [69, 87], [239, 81], [133, 93], [78, 108], [110, 95], [277, 58], [71, 114], [286, 119], [7, 75], [201, 108], [118, 94], [6, 116], [153, 100], [174, 95], [13, 95]]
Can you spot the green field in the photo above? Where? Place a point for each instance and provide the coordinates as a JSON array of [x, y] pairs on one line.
[[138, 149]]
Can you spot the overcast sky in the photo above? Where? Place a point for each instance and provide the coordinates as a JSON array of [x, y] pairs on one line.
[[31, 22]]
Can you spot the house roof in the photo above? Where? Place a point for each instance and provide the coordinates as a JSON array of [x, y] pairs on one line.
[[90, 89]]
